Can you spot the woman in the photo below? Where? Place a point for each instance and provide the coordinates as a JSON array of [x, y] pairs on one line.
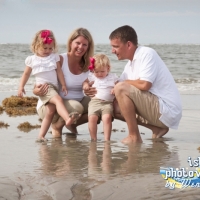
[[74, 64]]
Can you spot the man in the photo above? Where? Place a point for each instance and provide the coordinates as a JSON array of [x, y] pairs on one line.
[[146, 94]]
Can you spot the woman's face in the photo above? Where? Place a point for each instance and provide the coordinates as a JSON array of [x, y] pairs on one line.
[[79, 46]]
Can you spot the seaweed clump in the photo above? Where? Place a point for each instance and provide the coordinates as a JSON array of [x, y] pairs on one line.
[[1, 110], [26, 126], [3, 125], [16, 106]]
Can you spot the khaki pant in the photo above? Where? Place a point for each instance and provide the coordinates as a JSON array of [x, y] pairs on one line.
[[100, 107], [52, 91], [71, 106], [147, 107]]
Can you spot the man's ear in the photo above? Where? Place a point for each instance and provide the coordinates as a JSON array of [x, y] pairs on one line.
[[129, 44]]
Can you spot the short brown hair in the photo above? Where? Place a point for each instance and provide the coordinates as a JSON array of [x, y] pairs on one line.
[[125, 33]]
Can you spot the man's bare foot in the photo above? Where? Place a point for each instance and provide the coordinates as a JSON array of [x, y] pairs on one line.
[[73, 117], [132, 139], [159, 132]]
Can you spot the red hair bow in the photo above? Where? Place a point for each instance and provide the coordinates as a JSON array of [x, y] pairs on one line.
[[91, 67], [45, 34]]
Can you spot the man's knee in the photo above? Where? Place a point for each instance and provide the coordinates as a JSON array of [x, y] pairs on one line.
[[121, 87]]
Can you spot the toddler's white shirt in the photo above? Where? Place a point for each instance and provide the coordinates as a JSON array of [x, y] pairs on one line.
[[104, 86]]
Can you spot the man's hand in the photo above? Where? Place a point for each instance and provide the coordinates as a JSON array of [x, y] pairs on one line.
[[91, 91], [41, 89]]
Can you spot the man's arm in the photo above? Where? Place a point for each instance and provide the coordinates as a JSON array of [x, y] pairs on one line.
[[140, 84]]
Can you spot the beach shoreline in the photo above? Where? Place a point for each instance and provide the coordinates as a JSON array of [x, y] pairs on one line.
[[72, 166]]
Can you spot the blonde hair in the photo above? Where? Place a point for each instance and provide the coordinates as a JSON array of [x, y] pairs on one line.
[[85, 61], [101, 61], [38, 41]]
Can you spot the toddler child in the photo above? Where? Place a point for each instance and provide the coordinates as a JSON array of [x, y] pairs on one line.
[[101, 105], [45, 66]]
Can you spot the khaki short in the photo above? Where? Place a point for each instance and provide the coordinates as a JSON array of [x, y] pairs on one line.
[[100, 107], [52, 91], [71, 106], [147, 107]]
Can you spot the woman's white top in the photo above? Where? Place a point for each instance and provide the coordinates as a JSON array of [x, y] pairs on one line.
[[74, 83], [44, 68], [104, 86]]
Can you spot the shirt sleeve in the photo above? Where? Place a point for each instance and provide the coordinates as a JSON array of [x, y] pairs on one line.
[[28, 61], [91, 77], [123, 76], [115, 77], [148, 69], [57, 57]]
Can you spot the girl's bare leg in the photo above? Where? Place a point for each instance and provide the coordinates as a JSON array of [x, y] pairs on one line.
[[92, 125], [107, 126], [60, 107], [50, 111]]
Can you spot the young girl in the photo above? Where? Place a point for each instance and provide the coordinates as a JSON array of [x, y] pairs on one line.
[[101, 105], [45, 65]]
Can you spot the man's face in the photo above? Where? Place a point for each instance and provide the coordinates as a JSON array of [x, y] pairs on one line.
[[119, 48]]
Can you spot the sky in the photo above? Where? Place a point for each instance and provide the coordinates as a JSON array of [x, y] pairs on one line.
[[155, 21]]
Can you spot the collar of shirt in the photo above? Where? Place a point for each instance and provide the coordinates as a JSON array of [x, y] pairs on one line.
[[135, 56]]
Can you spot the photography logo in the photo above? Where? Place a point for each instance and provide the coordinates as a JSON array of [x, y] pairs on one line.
[[182, 178]]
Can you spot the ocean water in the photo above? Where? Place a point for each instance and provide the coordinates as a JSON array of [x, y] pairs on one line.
[[183, 62]]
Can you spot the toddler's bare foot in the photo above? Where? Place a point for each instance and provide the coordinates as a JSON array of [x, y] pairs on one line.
[[40, 140], [159, 132], [73, 117]]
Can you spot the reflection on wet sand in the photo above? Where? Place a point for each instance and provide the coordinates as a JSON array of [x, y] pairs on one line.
[[90, 164], [76, 169]]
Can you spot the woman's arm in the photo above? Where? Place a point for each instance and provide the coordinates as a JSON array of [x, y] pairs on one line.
[[91, 91], [40, 90], [86, 85]]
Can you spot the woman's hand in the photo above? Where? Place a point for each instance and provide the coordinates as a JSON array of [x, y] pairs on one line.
[[91, 91], [41, 89]]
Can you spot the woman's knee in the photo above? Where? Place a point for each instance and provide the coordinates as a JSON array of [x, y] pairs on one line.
[[73, 105]]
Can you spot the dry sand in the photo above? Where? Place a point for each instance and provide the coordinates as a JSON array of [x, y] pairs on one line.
[[75, 168]]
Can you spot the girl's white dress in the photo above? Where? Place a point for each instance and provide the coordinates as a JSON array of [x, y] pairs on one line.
[[44, 68]]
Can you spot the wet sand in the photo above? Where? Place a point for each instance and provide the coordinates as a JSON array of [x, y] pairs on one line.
[[76, 169]]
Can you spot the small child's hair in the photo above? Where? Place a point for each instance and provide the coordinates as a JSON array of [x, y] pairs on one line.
[[38, 41], [101, 61]]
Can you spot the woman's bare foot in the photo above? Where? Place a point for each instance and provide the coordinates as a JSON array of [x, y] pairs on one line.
[[159, 132], [132, 139], [40, 140], [72, 128], [57, 129]]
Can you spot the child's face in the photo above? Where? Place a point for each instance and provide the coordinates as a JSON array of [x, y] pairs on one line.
[[101, 72], [45, 50]]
